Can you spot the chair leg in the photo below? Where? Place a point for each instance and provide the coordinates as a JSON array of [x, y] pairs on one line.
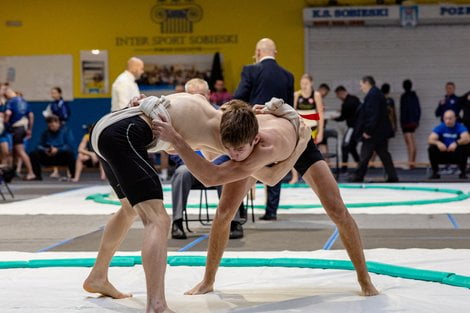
[[1, 194], [207, 206], [9, 190], [207, 219], [186, 220]]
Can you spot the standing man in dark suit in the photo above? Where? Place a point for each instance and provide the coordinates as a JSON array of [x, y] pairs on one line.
[[259, 83], [374, 129]]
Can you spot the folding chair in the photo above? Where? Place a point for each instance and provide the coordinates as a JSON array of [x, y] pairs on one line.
[[3, 181]]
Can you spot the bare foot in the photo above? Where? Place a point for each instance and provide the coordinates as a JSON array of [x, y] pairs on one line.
[[54, 174], [74, 180], [105, 288], [368, 289], [30, 177], [161, 310], [200, 289]]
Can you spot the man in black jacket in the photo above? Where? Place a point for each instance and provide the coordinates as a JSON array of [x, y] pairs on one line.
[[259, 83], [349, 114], [374, 129], [464, 104]]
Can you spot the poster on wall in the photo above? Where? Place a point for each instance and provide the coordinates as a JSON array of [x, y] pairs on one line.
[[93, 73], [164, 74]]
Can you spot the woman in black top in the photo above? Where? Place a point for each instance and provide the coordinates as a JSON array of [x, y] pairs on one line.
[[410, 113]]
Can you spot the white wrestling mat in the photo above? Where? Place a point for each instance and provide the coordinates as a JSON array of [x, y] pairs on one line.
[[257, 289], [299, 200]]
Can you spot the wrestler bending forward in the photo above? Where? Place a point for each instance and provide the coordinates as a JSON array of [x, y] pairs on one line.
[[121, 139], [254, 143]]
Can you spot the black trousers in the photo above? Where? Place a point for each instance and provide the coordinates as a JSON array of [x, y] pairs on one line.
[[367, 150], [348, 146], [39, 158], [459, 157], [274, 195]]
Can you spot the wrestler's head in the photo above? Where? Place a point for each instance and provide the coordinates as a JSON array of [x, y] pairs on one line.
[[238, 129]]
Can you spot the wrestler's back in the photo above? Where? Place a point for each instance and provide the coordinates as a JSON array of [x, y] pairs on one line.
[[280, 133], [196, 120]]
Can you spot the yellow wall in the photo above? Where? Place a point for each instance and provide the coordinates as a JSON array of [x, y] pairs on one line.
[[66, 27], [322, 3]]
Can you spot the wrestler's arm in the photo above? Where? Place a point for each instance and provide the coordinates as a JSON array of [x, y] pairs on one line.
[[272, 175], [206, 172], [210, 174]]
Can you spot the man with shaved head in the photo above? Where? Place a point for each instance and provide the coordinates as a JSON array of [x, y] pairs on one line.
[[259, 83], [124, 87]]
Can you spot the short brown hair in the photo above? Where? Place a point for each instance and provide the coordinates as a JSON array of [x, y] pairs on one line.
[[52, 118], [239, 125]]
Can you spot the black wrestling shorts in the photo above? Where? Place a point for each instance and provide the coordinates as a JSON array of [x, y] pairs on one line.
[[310, 156], [127, 164]]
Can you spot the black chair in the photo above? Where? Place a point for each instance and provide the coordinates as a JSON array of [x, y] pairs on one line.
[[6, 175], [333, 134], [205, 219]]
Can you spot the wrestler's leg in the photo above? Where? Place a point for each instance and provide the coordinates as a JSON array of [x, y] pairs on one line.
[[232, 196], [114, 232], [319, 177], [154, 252]]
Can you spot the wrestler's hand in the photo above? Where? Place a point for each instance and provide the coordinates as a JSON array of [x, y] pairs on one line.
[[135, 101], [259, 108], [164, 131]]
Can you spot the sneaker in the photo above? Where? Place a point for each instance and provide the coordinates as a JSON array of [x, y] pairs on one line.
[[177, 231], [463, 175], [392, 180], [435, 175], [236, 230]]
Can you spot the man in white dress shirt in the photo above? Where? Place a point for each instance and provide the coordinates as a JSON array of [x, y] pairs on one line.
[[124, 87]]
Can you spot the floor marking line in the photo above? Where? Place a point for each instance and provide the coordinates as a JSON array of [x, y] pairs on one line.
[[65, 241], [453, 221], [193, 243], [331, 241]]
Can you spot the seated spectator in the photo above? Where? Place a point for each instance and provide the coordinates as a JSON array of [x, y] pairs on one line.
[[55, 148], [182, 182], [220, 95], [86, 157], [61, 109], [449, 144]]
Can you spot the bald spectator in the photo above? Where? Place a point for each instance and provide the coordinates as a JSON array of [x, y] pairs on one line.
[[259, 83], [124, 87], [449, 144]]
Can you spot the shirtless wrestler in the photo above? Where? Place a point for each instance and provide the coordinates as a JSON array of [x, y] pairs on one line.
[[121, 139], [254, 143]]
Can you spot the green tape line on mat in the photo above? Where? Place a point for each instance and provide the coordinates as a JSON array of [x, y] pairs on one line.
[[459, 196], [446, 278]]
